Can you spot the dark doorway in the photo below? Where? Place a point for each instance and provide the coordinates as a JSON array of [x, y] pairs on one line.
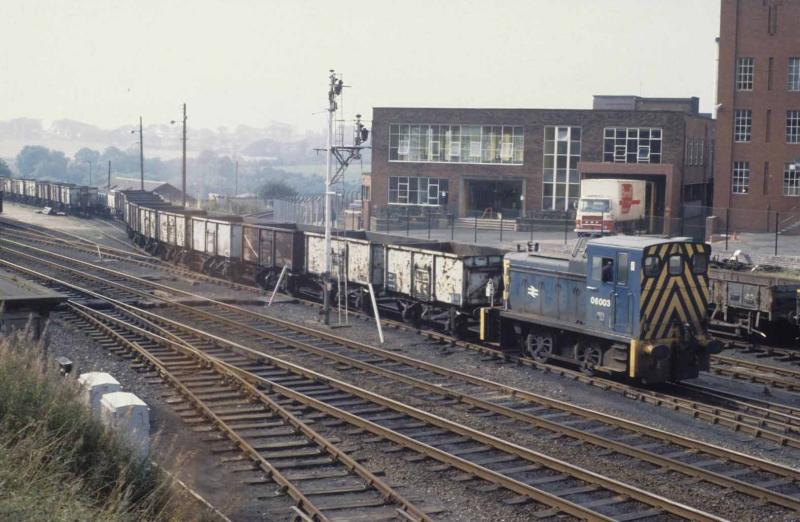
[[487, 198]]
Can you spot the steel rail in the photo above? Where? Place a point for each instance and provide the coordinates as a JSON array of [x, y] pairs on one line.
[[731, 367], [746, 423], [532, 398], [272, 472], [149, 261], [790, 414], [492, 476], [512, 484]]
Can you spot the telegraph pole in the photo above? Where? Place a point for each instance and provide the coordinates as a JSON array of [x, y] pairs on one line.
[[236, 180], [183, 169], [141, 153]]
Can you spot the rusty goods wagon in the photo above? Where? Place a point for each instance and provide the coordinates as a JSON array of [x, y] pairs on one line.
[[755, 303]]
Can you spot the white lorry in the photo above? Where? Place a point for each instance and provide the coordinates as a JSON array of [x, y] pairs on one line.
[[610, 206]]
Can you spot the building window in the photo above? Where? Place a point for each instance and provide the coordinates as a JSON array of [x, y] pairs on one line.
[[793, 76], [743, 125], [632, 145], [456, 143], [701, 149], [405, 190], [791, 180], [792, 126], [744, 74], [562, 152], [740, 180]]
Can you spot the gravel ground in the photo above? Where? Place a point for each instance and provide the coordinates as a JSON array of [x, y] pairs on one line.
[[182, 451], [672, 485], [416, 480]]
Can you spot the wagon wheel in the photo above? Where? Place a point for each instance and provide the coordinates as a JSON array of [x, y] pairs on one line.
[[589, 356], [540, 347], [265, 280]]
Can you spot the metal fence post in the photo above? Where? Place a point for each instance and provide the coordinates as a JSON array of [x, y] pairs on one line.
[[566, 229], [501, 228], [776, 232], [531, 225], [429, 223], [727, 225], [452, 227], [475, 240], [408, 221]]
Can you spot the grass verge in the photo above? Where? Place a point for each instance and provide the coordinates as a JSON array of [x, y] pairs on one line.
[[58, 462]]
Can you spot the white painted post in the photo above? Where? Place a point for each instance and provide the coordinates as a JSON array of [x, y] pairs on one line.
[[277, 285], [375, 311]]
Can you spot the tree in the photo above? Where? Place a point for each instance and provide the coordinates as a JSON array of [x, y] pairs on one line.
[[29, 158], [86, 155], [276, 190], [4, 169]]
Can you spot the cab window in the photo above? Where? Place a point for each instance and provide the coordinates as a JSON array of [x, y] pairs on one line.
[[675, 264], [652, 266], [603, 269], [699, 263], [622, 269]]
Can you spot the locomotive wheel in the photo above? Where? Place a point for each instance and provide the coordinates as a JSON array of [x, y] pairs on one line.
[[589, 356], [540, 347]]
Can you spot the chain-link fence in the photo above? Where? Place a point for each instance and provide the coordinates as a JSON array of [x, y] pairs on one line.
[[310, 210], [761, 234]]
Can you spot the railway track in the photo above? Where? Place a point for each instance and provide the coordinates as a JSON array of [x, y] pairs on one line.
[[270, 443], [738, 472], [206, 369], [756, 372], [758, 422], [731, 367]]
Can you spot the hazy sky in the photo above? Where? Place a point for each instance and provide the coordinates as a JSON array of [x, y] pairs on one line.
[[254, 61]]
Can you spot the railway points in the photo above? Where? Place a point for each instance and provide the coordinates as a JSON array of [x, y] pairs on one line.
[[490, 399]]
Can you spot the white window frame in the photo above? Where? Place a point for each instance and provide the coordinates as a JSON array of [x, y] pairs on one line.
[[793, 126], [793, 74], [420, 198], [791, 180], [570, 184], [423, 143], [621, 150], [743, 125], [740, 177], [745, 72]]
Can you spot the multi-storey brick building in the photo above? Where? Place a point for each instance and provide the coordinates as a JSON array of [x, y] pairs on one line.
[[523, 161], [758, 112]]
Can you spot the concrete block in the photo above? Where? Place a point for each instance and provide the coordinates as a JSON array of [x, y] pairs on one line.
[[129, 416], [95, 385]]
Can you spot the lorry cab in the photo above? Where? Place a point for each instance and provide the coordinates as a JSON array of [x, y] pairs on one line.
[[609, 206], [594, 216]]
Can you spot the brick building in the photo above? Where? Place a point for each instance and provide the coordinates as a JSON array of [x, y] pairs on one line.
[[522, 162], [758, 112]]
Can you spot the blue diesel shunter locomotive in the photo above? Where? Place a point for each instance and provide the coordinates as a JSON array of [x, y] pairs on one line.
[[623, 305]]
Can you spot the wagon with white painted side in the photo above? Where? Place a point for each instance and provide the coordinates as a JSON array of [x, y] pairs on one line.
[[444, 283]]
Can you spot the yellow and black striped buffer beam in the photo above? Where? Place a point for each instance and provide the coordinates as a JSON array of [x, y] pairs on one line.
[[674, 295]]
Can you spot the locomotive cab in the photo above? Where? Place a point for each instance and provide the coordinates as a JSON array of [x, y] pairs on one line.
[[655, 292]]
